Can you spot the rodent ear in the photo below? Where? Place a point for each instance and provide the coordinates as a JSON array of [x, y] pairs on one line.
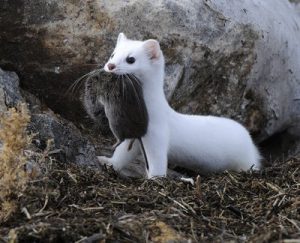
[[153, 49], [121, 38]]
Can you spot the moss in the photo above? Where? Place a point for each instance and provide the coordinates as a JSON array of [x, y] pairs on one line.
[[15, 140]]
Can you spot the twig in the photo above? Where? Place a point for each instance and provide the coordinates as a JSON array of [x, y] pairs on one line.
[[176, 202], [27, 214], [198, 191], [45, 204], [92, 238], [293, 222], [275, 188]]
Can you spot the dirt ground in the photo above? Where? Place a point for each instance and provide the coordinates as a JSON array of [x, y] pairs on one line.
[[72, 203]]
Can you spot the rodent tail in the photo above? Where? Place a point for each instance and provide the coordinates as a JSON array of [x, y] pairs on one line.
[[144, 153]]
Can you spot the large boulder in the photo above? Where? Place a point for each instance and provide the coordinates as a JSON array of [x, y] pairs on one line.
[[238, 59], [68, 142]]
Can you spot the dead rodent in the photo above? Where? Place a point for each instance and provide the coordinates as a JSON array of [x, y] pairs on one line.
[[124, 105]]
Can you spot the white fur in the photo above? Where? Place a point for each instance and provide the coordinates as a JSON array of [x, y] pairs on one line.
[[205, 143]]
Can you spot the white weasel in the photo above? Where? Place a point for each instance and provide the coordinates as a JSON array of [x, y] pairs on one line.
[[205, 143]]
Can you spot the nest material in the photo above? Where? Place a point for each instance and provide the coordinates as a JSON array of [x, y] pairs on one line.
[[73, 203]]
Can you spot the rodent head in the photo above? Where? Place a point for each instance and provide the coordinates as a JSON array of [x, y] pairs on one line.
[[134, 57]]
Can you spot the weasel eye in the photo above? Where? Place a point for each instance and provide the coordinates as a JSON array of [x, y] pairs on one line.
[[130, 60], [112, 55]]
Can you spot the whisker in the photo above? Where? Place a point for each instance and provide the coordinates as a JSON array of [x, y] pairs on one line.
[[124, 84], [114, 87], [119, 80], [77, 82], [136, 79]]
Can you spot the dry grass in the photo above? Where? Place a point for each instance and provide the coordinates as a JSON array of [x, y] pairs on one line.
[[14, 140], [70, 203], [73, 203]]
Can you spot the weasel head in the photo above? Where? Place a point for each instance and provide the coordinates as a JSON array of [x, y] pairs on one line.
[[140, 58]]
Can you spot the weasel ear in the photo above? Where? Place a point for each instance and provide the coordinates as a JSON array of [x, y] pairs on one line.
[[121, 38], [153, 49]]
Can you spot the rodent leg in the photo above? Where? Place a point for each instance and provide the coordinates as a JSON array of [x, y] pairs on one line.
[[122, 156], [117, 144], [130, 144]]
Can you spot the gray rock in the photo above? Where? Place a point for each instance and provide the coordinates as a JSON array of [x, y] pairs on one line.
[[10, 94], [69, 142], [238, 59]]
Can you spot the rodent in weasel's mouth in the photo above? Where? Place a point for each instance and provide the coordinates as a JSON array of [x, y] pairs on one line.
[[123, 101]]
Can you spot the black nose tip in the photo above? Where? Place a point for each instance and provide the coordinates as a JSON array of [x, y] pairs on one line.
[[111, 66]]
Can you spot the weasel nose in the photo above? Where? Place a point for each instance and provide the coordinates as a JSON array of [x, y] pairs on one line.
[[111, 66]]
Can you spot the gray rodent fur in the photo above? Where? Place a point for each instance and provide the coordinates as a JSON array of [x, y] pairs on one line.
[[124, 105]]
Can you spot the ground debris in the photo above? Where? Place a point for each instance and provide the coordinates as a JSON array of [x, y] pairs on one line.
[[71, 203]]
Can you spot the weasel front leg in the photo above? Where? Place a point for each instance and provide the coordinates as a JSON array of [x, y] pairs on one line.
[[156, 143], [122, 156]]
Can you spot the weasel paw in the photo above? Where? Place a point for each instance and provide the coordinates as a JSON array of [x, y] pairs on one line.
[[103, 160]]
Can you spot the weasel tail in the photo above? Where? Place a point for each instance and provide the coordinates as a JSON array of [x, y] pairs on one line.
[[202, 143]]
